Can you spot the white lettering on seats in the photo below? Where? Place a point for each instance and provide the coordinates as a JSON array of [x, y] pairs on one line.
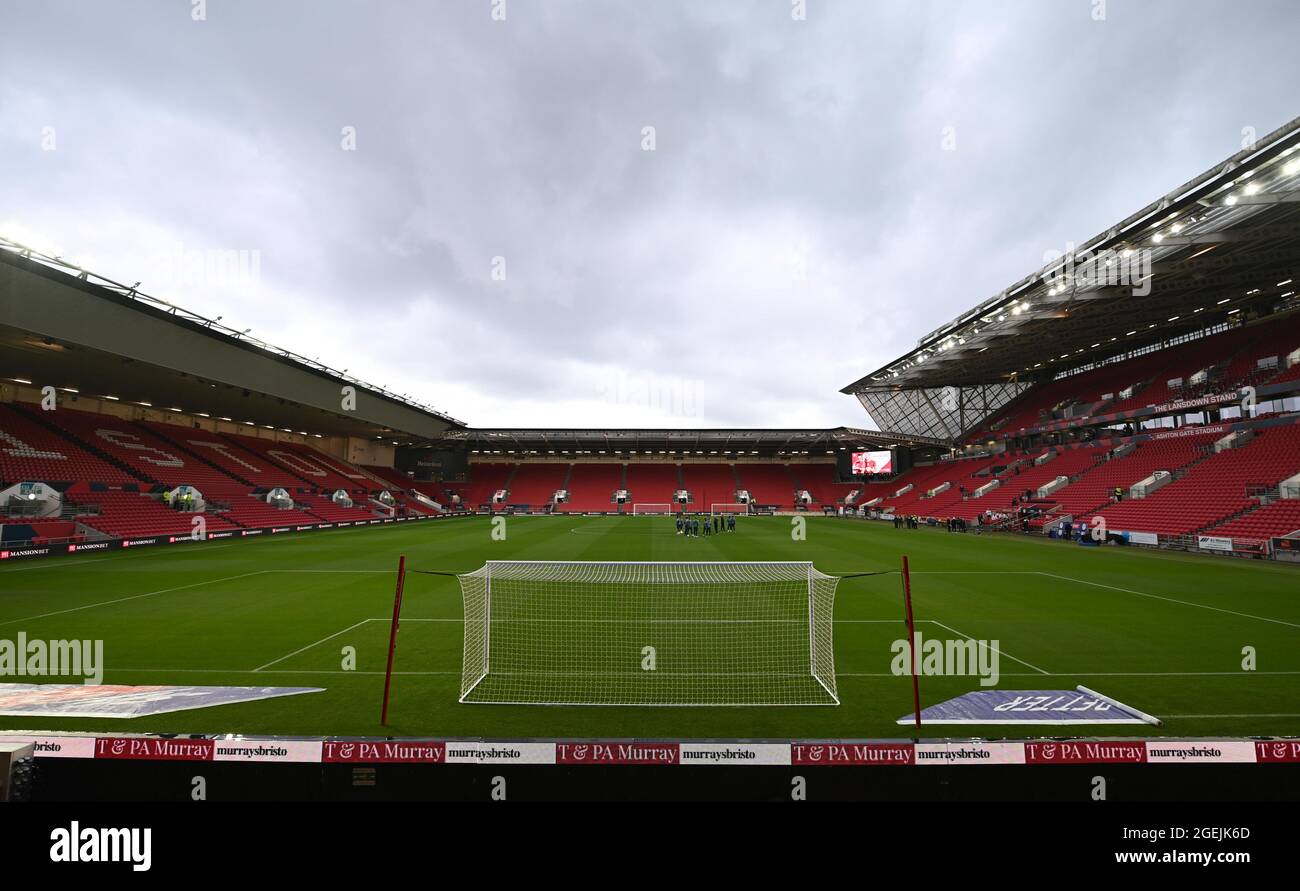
[[134, 444], [224, 450], [290, 459], [341, 472], [21, 449]]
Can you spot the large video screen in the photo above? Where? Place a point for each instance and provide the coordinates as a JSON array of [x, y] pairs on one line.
[[872, 462]]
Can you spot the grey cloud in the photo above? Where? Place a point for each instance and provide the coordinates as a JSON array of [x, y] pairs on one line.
[[798, 225]]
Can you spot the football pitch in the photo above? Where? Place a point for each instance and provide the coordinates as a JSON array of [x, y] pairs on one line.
[[1165, 633]]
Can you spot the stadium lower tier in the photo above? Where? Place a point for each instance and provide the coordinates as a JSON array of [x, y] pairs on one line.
[[1182, 482]]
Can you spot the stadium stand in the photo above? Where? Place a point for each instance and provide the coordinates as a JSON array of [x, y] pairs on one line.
[[768, 484], [32, 451], [652, 483], [1094, 490], [535, 484], [592, 487], [38, 532], [1230, 360], [709, 484], [321, 506], [485, 480], [131, 514], [1214, 489], [1024, 476], [956, 474], [395, 479], [1276, 518], [310, 467], [228, 457], [252, 511]]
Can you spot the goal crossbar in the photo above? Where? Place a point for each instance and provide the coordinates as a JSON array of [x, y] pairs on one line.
[[663, 508], [729, 508], [648, 633]]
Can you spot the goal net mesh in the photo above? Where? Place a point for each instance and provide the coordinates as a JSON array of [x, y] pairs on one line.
[[702, 634], [716, 509], [641, 510]]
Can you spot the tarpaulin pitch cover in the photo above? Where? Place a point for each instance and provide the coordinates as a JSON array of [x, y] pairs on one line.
[[1079, 706], [116, 701]]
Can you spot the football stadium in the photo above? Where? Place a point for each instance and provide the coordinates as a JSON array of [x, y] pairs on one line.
[[1054, 546], [1097, 493]]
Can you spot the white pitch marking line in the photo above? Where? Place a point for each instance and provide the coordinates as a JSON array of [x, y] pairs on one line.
[[1171, 600], [74, 609], [116, 558], [1102, 674], [272, 671], [994, 649], [1274, 715], [310, 645]]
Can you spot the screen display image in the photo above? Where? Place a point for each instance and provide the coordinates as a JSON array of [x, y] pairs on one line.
[[872, 462]]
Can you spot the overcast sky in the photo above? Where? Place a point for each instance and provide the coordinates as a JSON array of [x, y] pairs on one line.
[[473, 211]]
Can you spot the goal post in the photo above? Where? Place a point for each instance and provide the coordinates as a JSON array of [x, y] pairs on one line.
[[648, 634], [648, 510], [728, 508]]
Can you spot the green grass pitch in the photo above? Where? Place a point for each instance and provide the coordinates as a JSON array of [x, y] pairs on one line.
[[1162, 632]]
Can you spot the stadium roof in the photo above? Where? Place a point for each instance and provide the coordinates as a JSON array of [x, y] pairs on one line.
[[1224, 246], [711, 441], [93, 337]]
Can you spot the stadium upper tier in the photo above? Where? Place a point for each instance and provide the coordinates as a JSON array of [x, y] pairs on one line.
[[1221, 251], [1221, 363]]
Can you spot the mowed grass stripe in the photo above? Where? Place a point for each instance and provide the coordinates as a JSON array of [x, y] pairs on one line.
[[1157, 655]]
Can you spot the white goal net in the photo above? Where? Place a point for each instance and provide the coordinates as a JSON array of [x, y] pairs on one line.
[[681, 634], [643, 510]]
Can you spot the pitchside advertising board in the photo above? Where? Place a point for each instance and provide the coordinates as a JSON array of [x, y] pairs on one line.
[[872, 462], [813, 753], [114, 544]]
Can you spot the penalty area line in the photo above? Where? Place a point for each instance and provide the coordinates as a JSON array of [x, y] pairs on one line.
[[74, 609], [1217, 609]]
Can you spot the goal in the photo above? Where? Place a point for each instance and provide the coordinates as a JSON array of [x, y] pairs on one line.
[[728, 508], [648, 634], [643, 510]]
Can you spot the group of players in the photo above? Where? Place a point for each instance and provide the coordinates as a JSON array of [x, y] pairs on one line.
[[691, 526]]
